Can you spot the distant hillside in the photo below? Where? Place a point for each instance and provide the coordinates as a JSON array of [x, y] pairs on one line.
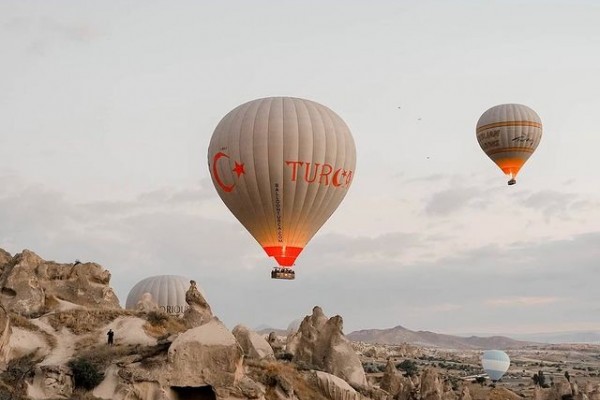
[[266, 331], [400, 334], [561, 337]]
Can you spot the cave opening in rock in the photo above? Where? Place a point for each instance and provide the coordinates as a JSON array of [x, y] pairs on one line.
[[194, 393], [8, 292]]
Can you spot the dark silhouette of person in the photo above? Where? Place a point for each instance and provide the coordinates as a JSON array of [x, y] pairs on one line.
[[111, 336]]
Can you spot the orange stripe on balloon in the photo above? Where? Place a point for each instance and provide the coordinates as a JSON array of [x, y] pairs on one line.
[[510, 149], [509, 123]]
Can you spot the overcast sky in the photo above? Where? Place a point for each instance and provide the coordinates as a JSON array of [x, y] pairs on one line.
[[107, 109]]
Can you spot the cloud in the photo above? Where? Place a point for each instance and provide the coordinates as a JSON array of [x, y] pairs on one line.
[[44, 33], [521, 301], [378, 281], [153, 200], [451, 200], [553, 203]]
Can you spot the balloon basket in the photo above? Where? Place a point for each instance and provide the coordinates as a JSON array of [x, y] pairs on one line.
[[283, 273], [512, 182]]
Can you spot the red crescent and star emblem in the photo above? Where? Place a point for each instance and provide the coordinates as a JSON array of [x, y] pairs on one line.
[[239, 170]]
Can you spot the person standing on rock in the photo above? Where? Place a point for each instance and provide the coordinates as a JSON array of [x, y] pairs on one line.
[[111, 336]]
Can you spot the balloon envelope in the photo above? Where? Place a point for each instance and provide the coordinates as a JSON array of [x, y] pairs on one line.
[[509, 134], [282, 166], [495, 363], [168, 291]]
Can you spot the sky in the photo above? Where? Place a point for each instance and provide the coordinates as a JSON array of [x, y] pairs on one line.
[[107, 109]]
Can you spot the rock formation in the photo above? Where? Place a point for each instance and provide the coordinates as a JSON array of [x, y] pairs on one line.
[[278, 346], [398, 386], [27, 281], [146, 303], [5, 257], [320, 343], [52, 382], [335, 388], [254, 345], [464, 394], [431, 386], [5, 331], [391, 381], [205, 355], [199, 311], [594, 394], [562, 388]]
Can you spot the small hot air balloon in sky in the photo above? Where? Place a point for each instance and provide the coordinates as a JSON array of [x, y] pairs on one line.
[[509, 134], [495, 363], [167, 291], [282, 166]]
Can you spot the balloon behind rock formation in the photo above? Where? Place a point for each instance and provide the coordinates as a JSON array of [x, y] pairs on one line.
[[167, 291]]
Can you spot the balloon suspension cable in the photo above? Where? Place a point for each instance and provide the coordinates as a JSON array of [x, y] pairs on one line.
[[283, 273]]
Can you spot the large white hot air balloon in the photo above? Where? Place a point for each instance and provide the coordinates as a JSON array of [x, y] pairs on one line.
[[509, 134], [167, 291], [495, 363], [282, 166]]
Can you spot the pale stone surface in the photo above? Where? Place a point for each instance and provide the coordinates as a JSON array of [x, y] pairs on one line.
[[51, 382], [320, 342], [27, 280], [431, 387], [5, 333], [23, 342], [199, 311], [128, 330], [205, 355], [336, 388], [254, 345], [146, 303]]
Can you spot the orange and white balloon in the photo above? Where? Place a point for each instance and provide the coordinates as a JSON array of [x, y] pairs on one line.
[[282, 166], [509, 134]]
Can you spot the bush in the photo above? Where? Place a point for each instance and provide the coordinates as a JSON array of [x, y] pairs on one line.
[[481, 380], [539, 379], [86, 375], [409, 367], [12, 380], [372, 367], [284, 356], [161, 325], [157, 318]]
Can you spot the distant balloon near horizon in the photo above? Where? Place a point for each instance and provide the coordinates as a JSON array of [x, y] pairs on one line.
[[282, 166], [509, 134], [168, 291], [495, 363], [294, 326]]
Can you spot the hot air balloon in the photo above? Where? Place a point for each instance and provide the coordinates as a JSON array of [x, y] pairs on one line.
[[509, 134], [495, 363], [282, 166], [167, 291]]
